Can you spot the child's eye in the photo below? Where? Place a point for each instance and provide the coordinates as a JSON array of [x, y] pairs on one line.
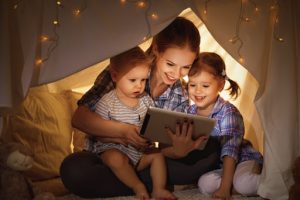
[[192, 85], [132, 80], [205, 86], [143, 80]]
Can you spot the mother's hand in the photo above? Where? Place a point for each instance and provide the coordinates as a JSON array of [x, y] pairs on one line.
[[182, 139]]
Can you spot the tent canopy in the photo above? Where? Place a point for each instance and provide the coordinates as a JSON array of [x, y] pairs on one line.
[[44, 41]]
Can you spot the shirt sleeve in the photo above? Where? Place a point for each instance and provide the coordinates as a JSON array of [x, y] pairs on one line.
[[102, 107], [232, 133], [102, 85]]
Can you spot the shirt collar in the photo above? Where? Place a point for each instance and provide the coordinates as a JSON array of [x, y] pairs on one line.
[[218, 106]]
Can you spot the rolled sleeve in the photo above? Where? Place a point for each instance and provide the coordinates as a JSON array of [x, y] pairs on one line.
[[231, 134], [103, 85]]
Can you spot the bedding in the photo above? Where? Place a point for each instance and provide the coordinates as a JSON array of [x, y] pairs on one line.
[[43, 123]]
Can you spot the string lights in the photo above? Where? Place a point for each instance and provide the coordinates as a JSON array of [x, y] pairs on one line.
[[275, 7], [142, 4], [52, 41], [244, 18]]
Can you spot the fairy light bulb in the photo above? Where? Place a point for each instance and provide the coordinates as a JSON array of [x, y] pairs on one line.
[[123, 1], [246, 19], [280, 39], [76, 12], [38, 61], [44, 38], [205, 12], [58, 3], [256, 9], [141, 4], [55, 22], [154, 16], [241, 60]]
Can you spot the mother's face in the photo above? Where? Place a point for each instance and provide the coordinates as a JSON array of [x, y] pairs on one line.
[[174, 64]]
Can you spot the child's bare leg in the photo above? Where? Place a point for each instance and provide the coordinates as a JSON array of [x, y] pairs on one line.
[[158, 174], [119, 164]]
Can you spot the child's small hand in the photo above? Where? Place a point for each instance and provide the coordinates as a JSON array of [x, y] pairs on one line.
[[132, 136], [222, 194]]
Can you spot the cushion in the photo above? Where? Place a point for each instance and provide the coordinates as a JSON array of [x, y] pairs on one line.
[[43, 123]]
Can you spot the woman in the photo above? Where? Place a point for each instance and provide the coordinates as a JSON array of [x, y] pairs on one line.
[[174, 50]]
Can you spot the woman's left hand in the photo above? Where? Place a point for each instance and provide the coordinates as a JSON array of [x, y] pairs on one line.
[[182, 139]]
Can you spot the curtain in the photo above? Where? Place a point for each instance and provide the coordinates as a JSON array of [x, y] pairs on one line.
[[270, 50]]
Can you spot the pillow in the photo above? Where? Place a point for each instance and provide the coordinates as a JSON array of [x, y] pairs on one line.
[[43, 123]]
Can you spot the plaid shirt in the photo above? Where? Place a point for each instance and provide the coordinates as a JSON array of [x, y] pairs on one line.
[[229, 130], [173, 98]]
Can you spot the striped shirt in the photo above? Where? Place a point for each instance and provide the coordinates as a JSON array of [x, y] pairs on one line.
[[111, 108], [229, 130], [174, 98]]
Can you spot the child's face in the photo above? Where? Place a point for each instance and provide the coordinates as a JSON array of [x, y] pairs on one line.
[[174, 64], [204, 89], [132, 83]]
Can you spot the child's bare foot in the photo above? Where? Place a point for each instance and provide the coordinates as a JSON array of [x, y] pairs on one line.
[[141, 192], [163, 194]]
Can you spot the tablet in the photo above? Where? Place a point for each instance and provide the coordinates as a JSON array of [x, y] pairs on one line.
[[156, 119]]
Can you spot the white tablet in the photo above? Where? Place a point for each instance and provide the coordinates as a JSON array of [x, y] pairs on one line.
[[156, 119]]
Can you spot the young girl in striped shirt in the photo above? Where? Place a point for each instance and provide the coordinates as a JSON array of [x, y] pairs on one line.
[[128, 103]]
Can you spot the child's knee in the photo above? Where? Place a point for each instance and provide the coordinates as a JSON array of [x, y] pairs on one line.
[[114, 158], [247, 184], [208, 183]]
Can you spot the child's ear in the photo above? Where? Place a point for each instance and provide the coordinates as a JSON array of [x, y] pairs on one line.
[[113, 74], [222, 85]]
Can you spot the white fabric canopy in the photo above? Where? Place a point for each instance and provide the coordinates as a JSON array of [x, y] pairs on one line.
[[105, 28]]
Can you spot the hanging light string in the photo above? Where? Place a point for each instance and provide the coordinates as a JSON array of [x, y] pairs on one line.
[[275, 6], [205, 7], [143, 4], [17, 4], [236, 37], [53, 40]]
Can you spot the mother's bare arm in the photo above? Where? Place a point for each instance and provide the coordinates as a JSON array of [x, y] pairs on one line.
[[92, 124]]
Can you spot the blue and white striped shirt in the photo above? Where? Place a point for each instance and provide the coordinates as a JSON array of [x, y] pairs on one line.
[[111, 108]]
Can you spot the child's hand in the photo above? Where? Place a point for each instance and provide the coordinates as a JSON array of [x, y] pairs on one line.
[[132, 136], [222, 193]]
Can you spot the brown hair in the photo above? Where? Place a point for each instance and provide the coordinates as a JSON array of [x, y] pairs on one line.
[[129, 58], [180, 33], [214, 64]]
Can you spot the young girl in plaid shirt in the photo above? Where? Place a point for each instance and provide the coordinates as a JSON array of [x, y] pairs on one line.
[[239, 160]]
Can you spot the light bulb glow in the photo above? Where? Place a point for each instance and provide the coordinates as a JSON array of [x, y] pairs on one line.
[[55, 22], [141, 4], [154, 16], [44, 38], [38, 61], [76, 12]]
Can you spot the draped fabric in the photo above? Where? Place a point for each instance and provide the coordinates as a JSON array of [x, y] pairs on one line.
[[270, 100]]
